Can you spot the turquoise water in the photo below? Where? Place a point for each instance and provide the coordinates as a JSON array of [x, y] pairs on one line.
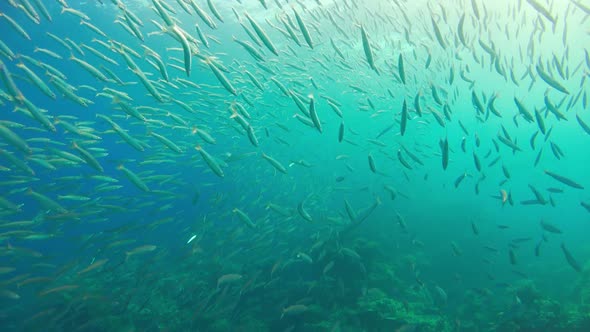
[[213, 204]]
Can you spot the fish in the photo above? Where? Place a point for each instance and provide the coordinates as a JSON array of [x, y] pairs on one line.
[[9, 83], [412, 156], [417, 106], [460, 179], [136, 180], [540, 122], [214, 10], [148, 84], [555, 190], [15, 140], [538, 248], [140, 250], [168, 143], [314, 115], [303, 29], [539, 197], [221, 77], [191, 239], [187, 51], [17, 27], [262, 35], [294, 310], [564, 180], [506, 171], [213, 165], [203, 15], [460, 30], [445, 153], [251, 50], [401, 70], [550, 228], [38, 115], [402, 160], [428, 61], [372, 166], [58, 289], [570, 259], [91, 69], [476, 162], [404, 119], [512, 257], [244, 218], [95, 265], [38, 82], [6, 269], [230, 278], [550, 80], [583, 124], [303, 212], [8, 294], [474, 228], [304, 257], [277, 165], [368, 50], [553, 109], [437, 33], [477, 103], [541, 10], [526, 114], [46, 202]]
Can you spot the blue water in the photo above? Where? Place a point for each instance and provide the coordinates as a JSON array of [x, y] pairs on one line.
[[429, 272]]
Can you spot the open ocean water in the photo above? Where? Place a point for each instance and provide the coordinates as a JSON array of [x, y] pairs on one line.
[[282, 165]]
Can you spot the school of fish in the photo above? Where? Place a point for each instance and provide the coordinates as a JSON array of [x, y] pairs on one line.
[[264, 135]]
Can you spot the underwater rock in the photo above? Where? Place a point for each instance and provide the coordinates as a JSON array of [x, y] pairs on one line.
[[378, 312]]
